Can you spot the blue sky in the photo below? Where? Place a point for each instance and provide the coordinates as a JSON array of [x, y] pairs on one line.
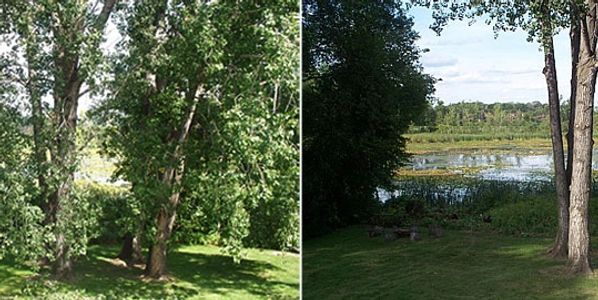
[[474, 66]]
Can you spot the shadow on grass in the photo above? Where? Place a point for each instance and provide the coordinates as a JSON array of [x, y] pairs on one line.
[[348, 264], [192, 274]]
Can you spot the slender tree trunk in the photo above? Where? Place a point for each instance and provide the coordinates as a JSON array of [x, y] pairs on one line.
[[37, 119], [579, 238], [574, 36], [559, 248]]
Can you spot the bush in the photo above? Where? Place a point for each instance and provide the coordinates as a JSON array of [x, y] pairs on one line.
[[116, 210], [536, 216]]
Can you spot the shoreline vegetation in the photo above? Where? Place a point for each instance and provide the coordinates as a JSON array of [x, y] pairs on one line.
[[416, 144]]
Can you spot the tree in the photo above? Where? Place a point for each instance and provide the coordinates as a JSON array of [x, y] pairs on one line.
[[362, 87], [55, 54], [205, 89], [581, 177]]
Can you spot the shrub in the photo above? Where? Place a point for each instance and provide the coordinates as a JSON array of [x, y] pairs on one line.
[[115, 209], [536, 216]]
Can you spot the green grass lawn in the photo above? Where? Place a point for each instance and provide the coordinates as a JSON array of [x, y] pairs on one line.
[[460, 265], [196, 272]]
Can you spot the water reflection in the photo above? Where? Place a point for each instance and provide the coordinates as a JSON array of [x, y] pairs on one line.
[[487, 174], [519, 167]]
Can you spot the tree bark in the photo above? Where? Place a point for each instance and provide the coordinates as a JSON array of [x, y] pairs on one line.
[[130, 252], [66, 93], [172, 177], [62, 266], [574, 37], [156, 268], [559, 248], [579, 238]]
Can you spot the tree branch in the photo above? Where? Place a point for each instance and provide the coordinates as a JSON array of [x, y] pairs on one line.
[[104, 14]]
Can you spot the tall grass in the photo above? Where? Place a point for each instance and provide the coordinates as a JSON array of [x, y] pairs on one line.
[[448, 133], [458, 202], [440, 137]]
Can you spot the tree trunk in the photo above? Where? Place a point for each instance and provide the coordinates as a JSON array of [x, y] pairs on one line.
[[131, 250], [62, 265], [559, 248], [574, 36], [66, 92], [64, 157], [579, 238], [172, 177], [156, 268]]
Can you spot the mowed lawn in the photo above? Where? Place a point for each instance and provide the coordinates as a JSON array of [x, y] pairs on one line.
[[196, 272], [461, 265]]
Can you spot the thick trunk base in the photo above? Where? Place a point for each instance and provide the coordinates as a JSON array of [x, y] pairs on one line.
[[62, 268], [558, 250], [580, 267], [156, 267]]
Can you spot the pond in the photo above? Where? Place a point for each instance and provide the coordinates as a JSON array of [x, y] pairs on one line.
[[482, 174], [536, 165]]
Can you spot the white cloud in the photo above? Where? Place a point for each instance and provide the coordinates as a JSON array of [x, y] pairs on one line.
[[438, 61], [473, 65]]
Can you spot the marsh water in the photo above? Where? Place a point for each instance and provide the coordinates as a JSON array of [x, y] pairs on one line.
[[529, 171], [534, 165]]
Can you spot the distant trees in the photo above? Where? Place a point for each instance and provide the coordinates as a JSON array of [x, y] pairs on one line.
[[477, 117], [362, 87]]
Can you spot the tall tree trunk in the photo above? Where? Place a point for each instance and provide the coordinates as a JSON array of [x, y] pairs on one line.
[[66, 93], [579, 238], [172, 177], [64, 160], [574, 37], [559, 248]]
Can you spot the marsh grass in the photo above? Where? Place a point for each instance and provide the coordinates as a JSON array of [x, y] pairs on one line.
[[418, 144]]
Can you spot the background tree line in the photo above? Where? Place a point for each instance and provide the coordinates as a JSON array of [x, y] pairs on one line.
[[483, 121]]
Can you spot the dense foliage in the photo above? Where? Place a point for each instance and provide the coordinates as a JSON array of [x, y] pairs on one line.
[[362, 87], [198, 108], [50, 51], [230, 74]]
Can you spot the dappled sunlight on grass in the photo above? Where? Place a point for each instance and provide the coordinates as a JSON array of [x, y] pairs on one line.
[[10, 278], [195, 272]]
